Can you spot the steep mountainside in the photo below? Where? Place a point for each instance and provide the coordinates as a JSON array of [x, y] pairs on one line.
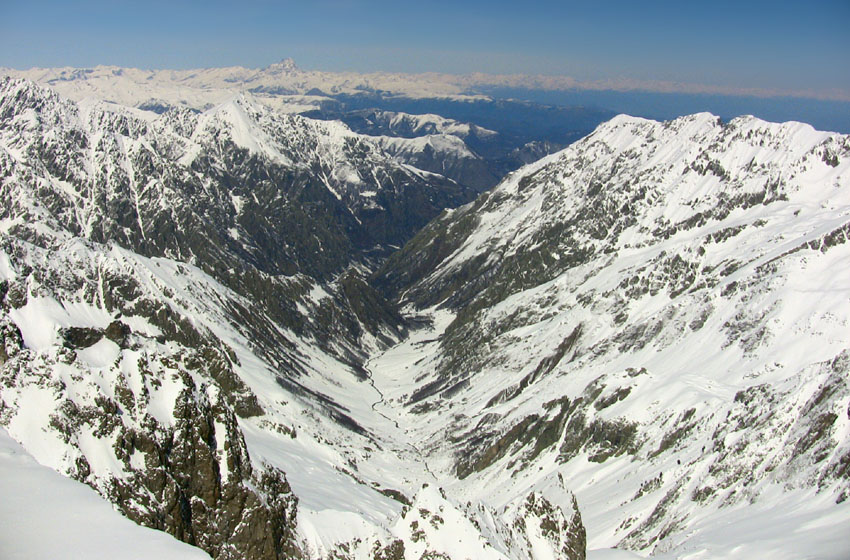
[[376, 122], [656, 318], [330, 188], [184, 326], [396, 106], [432, 143], [661, 315]]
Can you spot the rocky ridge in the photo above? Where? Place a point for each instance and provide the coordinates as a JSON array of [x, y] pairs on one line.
[[664, 303], [398, 109]]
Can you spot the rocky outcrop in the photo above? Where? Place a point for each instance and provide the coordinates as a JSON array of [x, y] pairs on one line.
[[158, 438], [545, 522]]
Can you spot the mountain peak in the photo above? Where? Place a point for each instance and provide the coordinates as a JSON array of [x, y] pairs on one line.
[[13, 86], [285, 66]]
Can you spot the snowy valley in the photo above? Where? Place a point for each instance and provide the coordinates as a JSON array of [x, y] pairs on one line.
[[276, 337]]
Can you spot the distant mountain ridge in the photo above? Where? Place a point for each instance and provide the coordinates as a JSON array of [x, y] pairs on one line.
[[286, 77], [495, 133]]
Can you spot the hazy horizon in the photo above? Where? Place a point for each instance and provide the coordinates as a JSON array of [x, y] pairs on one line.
[[780, 48]]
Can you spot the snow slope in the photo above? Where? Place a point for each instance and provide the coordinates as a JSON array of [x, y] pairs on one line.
[[660, 314], [44, 516]]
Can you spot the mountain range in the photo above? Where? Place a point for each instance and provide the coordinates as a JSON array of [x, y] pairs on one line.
[[273, 335], [472, 138]]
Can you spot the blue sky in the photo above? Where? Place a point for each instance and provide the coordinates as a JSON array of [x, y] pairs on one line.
[[774, 45]]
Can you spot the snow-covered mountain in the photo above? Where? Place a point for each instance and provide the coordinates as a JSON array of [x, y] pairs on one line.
[[185, 327], [433, 143], [660, 314], [458, 148], [376, 122], [135, 85], [655, 318], [283, 84], [168, 160]]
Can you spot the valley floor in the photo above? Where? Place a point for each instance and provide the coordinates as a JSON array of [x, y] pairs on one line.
[[787, 524]]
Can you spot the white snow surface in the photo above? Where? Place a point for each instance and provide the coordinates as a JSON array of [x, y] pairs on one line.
[[447, 146], [46, 516]]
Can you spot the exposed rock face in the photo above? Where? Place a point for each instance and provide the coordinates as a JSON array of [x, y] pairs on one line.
[[165, 450], [151, 425], [10, 340], [81, 337], [544, 523], [536, 516]]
